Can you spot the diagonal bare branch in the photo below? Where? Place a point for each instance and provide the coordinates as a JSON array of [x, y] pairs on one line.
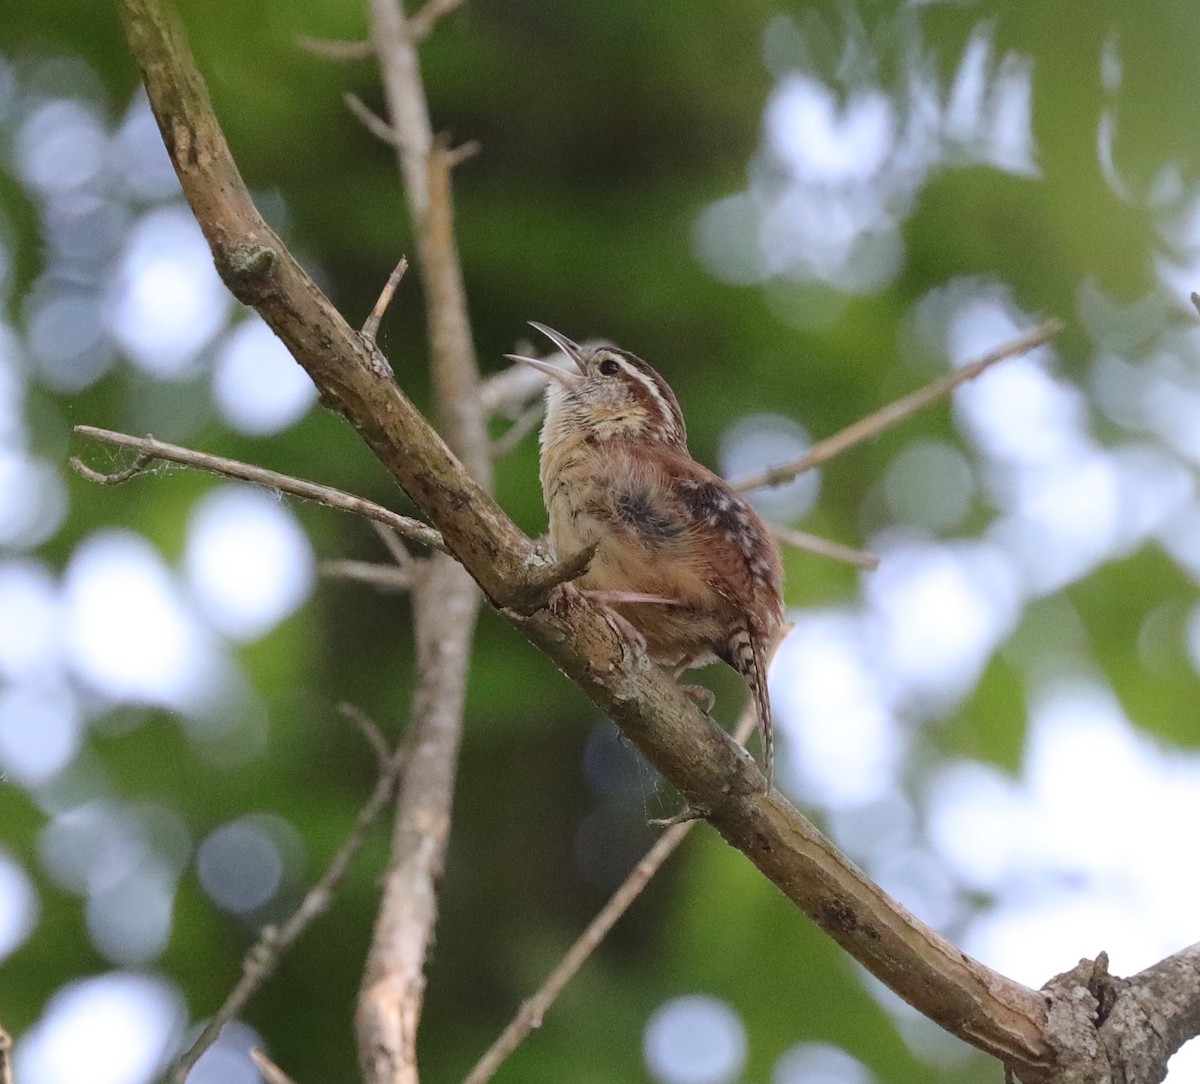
[[532, 1011], [873, 424], [1167, 994]]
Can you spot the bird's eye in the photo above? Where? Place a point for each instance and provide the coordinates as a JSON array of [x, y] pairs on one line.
[[608, 367]]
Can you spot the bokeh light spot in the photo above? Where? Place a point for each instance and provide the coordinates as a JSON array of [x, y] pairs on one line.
[[242, 864], [18, 905], [258, 386], [60, 146], [129, 631], [753, 444], [40, 731], [249, 563], [820, 1063], [694, 1040], [168, 302], [117, 1028]]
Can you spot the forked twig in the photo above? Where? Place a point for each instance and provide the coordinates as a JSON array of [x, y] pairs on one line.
[[874, 424], [150, 449], [262, 957], [530, 1015]]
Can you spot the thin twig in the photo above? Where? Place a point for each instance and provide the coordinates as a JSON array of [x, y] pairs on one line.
[[371, 733], [271, 1073], [464, 152], [140, 465], [525, 423], [264, 955], [421, 25], [384, 577], [371, 326], [150, 449], [874, 424], [6, 1043], [1196, 300], [530, 1015], [395, 546], [802, 540], [330, 49], [372, 121]]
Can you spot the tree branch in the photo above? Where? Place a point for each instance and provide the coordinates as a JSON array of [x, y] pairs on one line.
[[149, 449], [712, 771], [532, 1011], [1167, 995], [873, 424], [445, 600], [262, 957], [6, 1043]]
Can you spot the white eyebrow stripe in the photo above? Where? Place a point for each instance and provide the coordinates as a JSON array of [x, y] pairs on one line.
[[664, 407]]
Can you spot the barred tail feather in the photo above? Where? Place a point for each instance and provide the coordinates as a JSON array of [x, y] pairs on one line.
[[749, 659]]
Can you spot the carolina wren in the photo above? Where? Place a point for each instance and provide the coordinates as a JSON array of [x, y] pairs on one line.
[[681, 558]]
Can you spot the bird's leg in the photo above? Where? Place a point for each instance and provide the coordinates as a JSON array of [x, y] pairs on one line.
[[611, 599], [616, 598]]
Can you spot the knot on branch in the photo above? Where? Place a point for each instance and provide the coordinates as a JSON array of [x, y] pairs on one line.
[[533, 592], [1100, 1030], [248, 269]]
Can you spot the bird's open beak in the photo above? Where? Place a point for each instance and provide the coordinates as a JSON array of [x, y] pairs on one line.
[[571, 349], [565, 377]]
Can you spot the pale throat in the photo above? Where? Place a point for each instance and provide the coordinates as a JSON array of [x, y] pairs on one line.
[[566, 418]]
